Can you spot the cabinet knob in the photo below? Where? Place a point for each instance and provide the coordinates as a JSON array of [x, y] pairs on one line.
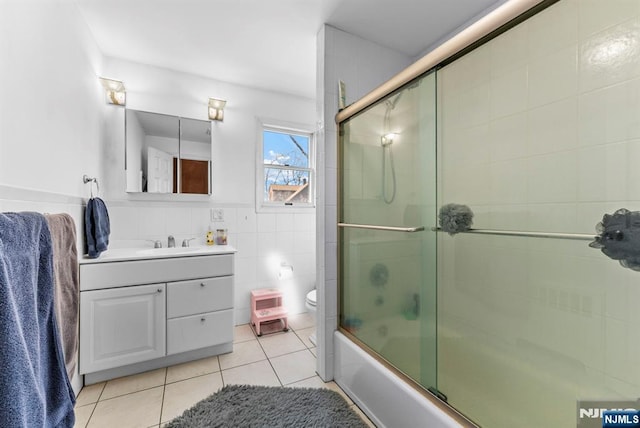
[[159, 290], [202, 319], [202, 284]]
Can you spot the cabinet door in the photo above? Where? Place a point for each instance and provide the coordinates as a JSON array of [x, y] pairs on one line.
[[121, 326]]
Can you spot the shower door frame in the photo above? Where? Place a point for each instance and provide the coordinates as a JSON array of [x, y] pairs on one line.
[[490, 26], [440, 404]]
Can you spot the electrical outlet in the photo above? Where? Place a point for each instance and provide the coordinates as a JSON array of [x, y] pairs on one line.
[[217, 214]]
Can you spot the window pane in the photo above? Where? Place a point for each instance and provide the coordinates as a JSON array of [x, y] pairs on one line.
[[286, 185], [284, 149]]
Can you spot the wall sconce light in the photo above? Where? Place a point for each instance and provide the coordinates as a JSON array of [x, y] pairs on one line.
[[286, 271], [116, 93], [216, 109]]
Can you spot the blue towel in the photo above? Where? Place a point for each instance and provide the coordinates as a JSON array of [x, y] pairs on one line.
[[96, 227], [34, 387]]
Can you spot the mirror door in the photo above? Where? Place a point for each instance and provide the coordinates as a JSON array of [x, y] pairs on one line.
[[167, 154]]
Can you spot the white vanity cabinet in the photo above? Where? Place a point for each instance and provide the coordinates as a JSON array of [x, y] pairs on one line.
[[136, 315]]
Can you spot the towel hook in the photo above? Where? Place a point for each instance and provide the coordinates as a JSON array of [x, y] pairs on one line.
[[86, 179]]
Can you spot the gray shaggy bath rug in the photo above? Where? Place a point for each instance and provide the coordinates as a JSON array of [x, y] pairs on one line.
[[240, 406]]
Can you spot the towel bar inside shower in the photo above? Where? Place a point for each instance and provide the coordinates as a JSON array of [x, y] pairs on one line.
[[386, 228], [552, 235]]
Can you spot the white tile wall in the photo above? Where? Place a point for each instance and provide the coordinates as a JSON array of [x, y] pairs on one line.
[[263, 241], [362, 65], [563, 96]]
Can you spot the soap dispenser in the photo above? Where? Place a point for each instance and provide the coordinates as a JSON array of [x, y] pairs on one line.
[[210, 240]]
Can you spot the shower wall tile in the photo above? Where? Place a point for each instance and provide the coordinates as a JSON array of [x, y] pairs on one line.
[[553, 77], [607, 57], [559, 217], [552, 178], [617, 348], [331, 186], [510, 50], [554, 30], [609, 115], [633, 178], [506, 138], [331, 299], [509, 93], [473, 70], [610, 183], [331, 261], [475, 109], [470, 146], [553, 127], [559, 158], [509, 181], [595, 15]]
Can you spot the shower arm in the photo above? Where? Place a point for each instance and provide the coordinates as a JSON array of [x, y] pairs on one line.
[[386, 228]]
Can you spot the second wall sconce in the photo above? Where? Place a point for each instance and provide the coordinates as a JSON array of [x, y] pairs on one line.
[[116, 93], [216, 109]]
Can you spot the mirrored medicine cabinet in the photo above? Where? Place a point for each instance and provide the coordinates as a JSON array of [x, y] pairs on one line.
[[167, 154]]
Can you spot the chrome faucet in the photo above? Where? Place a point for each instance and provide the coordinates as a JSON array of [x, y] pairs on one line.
[[172, 242], [185, 242], [156, 244]]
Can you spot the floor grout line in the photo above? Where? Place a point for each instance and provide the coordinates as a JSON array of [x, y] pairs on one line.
[[164, 390], [270, 363], [220, 370]]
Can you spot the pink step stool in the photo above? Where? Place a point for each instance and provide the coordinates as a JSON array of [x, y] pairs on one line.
[[266, 305]]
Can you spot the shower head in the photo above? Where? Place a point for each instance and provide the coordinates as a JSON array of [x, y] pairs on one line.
[[391, 103]]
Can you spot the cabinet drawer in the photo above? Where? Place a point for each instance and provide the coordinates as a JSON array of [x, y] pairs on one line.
[[198, 331], [199, 296], [117, 274]]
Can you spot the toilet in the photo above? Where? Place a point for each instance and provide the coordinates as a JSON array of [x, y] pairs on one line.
[[311, 307]]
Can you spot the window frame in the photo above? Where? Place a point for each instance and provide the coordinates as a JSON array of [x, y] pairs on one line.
[[263, 205]]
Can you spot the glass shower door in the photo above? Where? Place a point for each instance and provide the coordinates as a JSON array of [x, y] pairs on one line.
[[387, 249]]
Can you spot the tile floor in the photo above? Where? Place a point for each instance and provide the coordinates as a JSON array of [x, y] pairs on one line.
[[153, 398]]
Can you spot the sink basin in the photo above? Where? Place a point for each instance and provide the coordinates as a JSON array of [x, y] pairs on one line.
[[169, 251], [123, 254]]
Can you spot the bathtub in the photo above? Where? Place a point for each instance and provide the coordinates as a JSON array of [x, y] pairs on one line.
[[386, 399]]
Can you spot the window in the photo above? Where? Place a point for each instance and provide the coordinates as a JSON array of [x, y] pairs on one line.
[[286, 163]]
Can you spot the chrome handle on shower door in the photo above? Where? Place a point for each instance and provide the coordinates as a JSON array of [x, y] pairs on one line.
[[387, 228]]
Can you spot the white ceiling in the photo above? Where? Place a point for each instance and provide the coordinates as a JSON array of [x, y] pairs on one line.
[[269, 44]]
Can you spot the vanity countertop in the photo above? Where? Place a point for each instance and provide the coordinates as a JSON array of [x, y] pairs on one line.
[[127, 254]]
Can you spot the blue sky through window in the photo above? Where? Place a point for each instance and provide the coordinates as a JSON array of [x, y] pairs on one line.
[[280, 149]]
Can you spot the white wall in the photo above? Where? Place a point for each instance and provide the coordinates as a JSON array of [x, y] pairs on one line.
[[263, 240], [51, 106], [50, 110], [362, 65]]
